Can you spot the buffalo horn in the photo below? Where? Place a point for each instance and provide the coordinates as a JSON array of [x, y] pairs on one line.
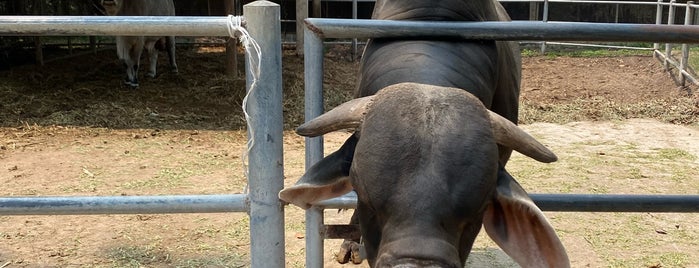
[[510, 135], [348, 115]]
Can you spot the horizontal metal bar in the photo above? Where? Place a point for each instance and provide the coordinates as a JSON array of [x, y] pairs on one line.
[[347, 201], [581, 202], [616, 202], [655, 3], [504, 30], [113, 25], [82, 205], [551, 1], [596, 45], [662, 57]]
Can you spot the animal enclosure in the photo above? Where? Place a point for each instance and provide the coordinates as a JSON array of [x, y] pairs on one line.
[[173, 176]]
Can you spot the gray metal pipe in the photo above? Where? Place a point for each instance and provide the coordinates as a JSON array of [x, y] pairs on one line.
[[499, 30], [658, 19], [670, 21], [301, 14], [581, 202], [265, 135], [313, 99], [688, 15], [545, 19], [314, 237], [113, 25], [313, 92], [617, 203], [87, 205]]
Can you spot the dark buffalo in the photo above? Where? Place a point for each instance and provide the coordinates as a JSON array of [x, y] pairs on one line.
[[425, 190], [129, 48], [427, 176]]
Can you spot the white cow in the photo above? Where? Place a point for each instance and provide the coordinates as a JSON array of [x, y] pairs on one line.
[[129, 48]]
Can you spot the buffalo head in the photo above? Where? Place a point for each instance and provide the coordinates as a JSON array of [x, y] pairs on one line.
[[427, 176]]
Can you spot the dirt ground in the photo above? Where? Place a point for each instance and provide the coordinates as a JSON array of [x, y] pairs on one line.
[[618, 125]]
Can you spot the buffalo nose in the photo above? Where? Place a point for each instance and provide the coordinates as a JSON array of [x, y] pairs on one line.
[[416, 263]]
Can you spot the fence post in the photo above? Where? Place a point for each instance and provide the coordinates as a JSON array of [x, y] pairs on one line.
[[314, 237], [668, 46], [545, 19], [689, 13], [354, 40], [301, 15], [231, 44], [266, 166], [313, 77], [658, 21]]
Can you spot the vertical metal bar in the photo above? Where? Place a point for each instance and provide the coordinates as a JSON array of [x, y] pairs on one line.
[[314, 237], [301, 15], [313, 95], [231, 45], [668, 46], [313, 75], [685, 47], [545, 19], [616, 13], [266, 164], [354, 40], [658, 21], [534, 10]]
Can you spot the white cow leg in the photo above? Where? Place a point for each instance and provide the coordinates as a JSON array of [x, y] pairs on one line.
[[153, 60], [170, 43], [132, 63]]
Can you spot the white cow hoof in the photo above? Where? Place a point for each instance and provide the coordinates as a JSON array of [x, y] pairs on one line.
[[131, 84]]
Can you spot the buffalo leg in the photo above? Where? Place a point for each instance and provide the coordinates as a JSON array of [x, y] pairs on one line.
[[350, 248]]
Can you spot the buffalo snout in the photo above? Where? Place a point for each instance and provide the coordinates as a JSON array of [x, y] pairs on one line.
[[418, 253]]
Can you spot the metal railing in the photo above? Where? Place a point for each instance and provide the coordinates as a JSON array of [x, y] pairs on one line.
[[265, 168], [666, 57], [318, 29]]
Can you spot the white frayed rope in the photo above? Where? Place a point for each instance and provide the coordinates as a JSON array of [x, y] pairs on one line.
[[253, 55]]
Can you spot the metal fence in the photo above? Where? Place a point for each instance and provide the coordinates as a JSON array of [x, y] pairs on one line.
[[264, 105], [665, 56], [318, 29], [684, 71]]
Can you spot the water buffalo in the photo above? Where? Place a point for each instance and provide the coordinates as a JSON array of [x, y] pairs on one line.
[[428, 175], [129, 48], [490, 71]]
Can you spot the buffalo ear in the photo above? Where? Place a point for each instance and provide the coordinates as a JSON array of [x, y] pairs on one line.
[[305, 195], [519, 227], [326, 179]]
